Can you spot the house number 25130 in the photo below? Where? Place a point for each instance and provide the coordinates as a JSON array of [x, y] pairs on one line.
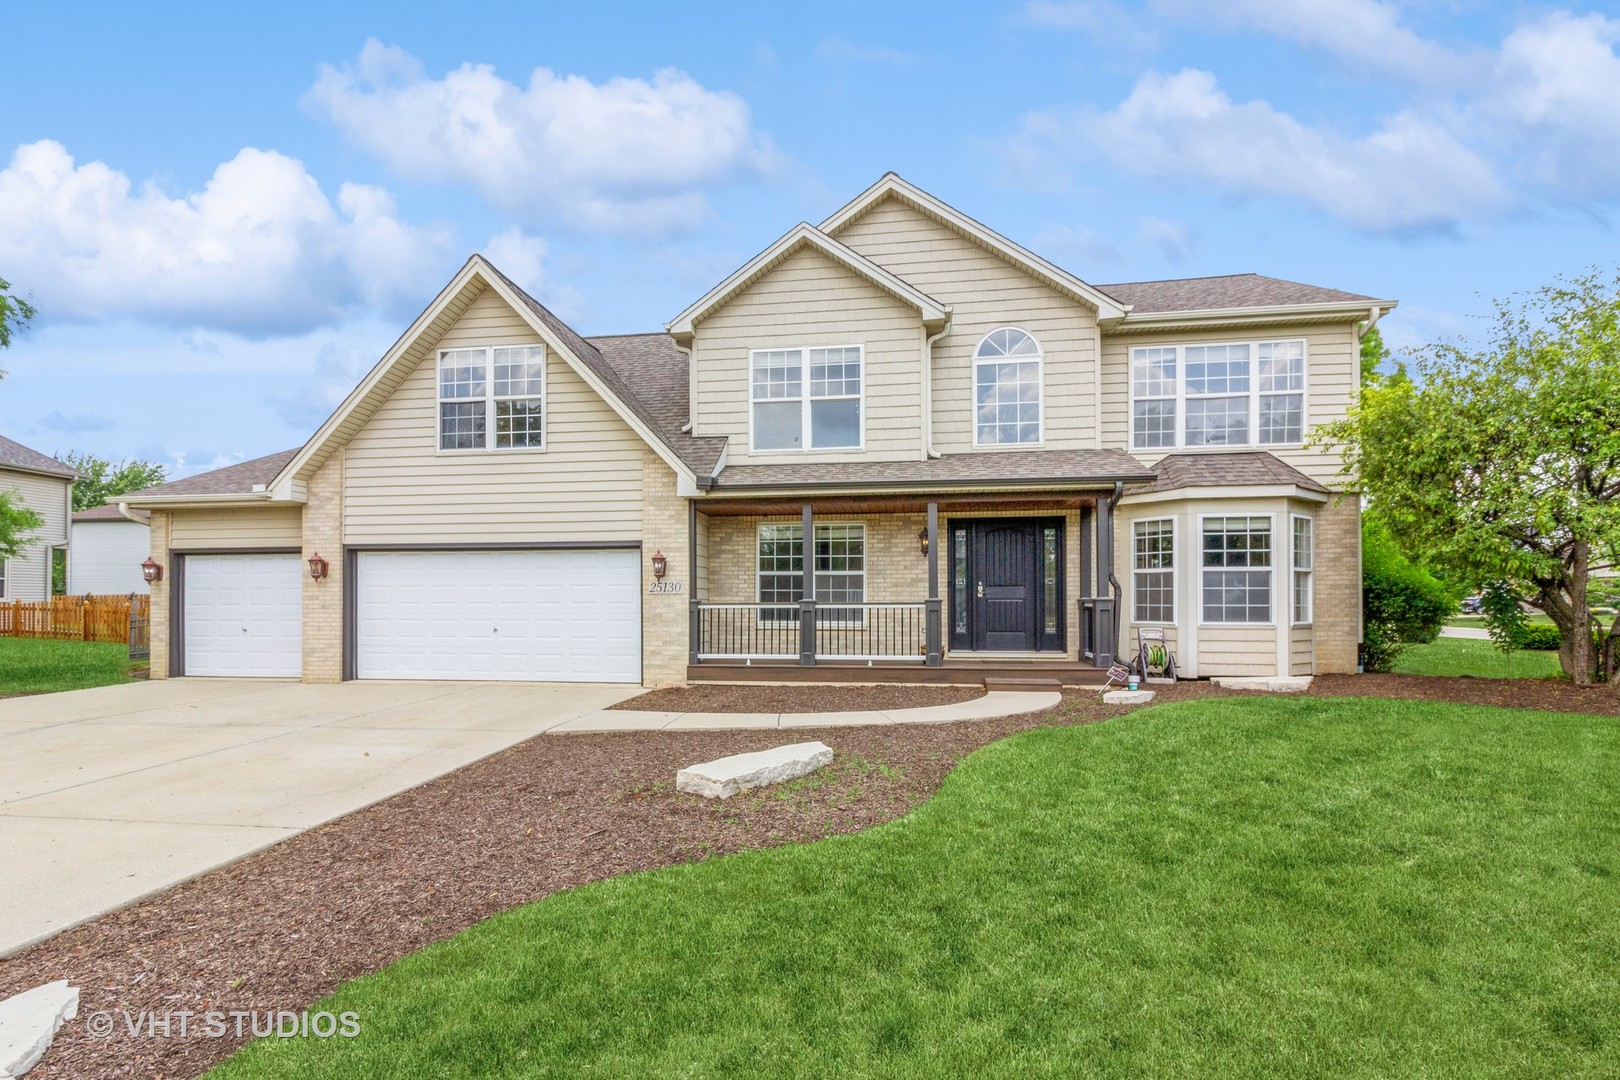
[[658, 587]]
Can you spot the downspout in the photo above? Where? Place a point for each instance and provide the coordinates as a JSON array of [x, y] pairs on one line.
[[1375, 313], [928, 390], [691, 388], [1115, 588], [123, 509]]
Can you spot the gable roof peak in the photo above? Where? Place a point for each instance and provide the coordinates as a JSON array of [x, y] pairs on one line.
[[893, 185]]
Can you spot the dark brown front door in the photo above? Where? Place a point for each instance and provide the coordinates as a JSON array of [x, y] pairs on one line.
[[1007, 574]]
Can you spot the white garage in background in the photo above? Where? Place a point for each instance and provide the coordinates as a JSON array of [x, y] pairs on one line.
[[244, 615], [546, 616]]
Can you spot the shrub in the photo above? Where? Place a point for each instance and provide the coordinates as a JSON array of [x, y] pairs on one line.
[[1402, 603], [1537, 636]]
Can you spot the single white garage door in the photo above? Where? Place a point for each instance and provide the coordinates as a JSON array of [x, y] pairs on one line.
[[244, 615], [551, 616]]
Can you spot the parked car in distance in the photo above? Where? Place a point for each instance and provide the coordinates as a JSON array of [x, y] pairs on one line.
[[1473, 605]]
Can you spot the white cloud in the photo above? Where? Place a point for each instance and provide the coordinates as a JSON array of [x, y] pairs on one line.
[[623, 155], [1410, 173], [259, 250], [520, 256], [1173, 239], [1102, 20]]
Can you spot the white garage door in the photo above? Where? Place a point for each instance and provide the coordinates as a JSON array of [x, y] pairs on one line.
[[244, 615], [567, 616]]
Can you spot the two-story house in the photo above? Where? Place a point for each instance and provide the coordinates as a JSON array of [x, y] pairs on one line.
[[45, 486], [894, 445]]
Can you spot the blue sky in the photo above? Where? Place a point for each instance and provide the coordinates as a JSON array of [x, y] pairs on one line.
[[225, 218]]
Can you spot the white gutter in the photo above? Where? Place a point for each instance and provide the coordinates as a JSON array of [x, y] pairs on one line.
[[1372, 321], [928, 389], [123, 508]]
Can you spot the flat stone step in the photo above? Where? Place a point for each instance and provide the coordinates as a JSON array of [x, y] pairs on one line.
[[29, 1021], [1023, 684], [1128, 697], [724, 777], [1276, 684]]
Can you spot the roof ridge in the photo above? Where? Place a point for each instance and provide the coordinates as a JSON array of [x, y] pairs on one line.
[[1195, 277]]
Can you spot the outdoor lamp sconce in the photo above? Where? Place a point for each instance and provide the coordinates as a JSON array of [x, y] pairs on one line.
[[660, 565], [922, 541], [151, 571], [317, 566]]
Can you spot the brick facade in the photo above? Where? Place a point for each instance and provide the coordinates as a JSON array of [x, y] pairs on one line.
[[159, 665], [664, 618], [1338, 585], [323, 600]]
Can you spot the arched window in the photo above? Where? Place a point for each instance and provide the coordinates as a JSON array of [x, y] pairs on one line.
[[1007, 388]]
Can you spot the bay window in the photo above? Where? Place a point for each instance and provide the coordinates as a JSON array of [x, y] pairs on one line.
[[492, 398], [1154, 571], [1236, 569], [806, 398], [1304, 564], [1231, 394]]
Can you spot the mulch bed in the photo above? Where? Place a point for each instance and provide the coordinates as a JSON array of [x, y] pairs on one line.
[[284, 927], [1553, 695], [797, 698]]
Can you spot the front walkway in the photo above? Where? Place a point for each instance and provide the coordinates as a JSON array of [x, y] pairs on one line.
[[110, 794], [991, 706]]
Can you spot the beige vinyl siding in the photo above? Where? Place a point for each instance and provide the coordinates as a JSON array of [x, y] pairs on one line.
[[586, 484], [1302, 651], [809, 299], [28, 573], [1332, 375], [237, 527], [986, 292], [1237, 650]]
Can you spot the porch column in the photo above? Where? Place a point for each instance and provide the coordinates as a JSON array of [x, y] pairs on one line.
[[694, 618], [1087, 514], [807, 601], [1106, 636], [932, 622]]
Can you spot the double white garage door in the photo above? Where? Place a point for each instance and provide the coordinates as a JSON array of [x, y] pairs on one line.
[[570, 616]]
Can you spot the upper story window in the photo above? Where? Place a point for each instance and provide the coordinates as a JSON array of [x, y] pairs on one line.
[[1234, 394], [492, 398], [1007, 389], [807, 398]]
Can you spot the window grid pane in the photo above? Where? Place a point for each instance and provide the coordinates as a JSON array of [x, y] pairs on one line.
[[1009, 402], [1222, 421], [778, 375], [1237, 575], [1304, 563], [1281, 365], [840, 554], [1217, 369], [519, 422], [1282, 418], [461, 425], [520, 372], [1153, 563]]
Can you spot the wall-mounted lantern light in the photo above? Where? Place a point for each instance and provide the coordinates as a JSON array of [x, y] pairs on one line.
[[660, 565], [922, 540], [151, 571], [317, 566]]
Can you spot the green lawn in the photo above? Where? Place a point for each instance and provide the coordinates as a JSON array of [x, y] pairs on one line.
[[1470, 656], [1477, 622], [41, 666], [1227, 888]]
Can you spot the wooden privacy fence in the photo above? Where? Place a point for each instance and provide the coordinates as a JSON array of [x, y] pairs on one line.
[[77, 618]]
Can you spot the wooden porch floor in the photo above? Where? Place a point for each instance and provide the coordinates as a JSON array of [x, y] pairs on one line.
[[1005, 673]]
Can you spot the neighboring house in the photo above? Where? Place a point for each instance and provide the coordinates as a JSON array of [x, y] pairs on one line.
[[108, 549], [1001, 468], [45, 486]]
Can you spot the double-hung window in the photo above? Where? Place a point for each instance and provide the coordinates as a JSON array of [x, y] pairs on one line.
[[840, 554], [1304, 563], [1237, 569], [1154, 570], [806, 398], [1245, 393], [492, 398], [1007, 389]]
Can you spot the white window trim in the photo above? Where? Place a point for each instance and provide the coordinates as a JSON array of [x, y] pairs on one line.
[[1310, 575], [1254, 394], [489, 400], [771, 624], [804, 399], [973, 389], [1175, 564], [1198, 582]]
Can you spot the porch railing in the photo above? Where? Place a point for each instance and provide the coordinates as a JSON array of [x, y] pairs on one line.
[[1098, 630], [826, 631]]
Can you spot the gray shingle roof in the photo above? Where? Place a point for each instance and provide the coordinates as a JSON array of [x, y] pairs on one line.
[[1179, 471], [14, 455], [655, 372], [238, 479], [1219, 293], [107, 512], [985, 467]]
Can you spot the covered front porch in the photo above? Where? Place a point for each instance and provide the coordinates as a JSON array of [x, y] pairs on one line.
[[947, 588]]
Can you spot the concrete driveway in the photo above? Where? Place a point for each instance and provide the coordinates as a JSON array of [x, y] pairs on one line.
[[108, 795]]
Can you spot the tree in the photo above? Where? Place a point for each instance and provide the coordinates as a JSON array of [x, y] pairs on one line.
[[1373, 355], [102, 481], [1401, 603], [17, 524], [1503, 463], [15, 313]]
